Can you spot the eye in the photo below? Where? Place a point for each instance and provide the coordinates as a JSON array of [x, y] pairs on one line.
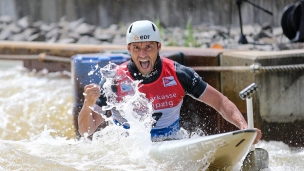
[[148, 47], [136, 48]]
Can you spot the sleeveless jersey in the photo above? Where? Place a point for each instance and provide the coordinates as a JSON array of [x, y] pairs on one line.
[[166, 94]]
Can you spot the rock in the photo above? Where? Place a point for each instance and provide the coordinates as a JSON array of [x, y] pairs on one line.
[[5, 34], [277, 31], [113, 27], [17, 37], [260, 37], [51, 40], [74, 24], [104, 37], [47, 27], [262, 34], [267, 26], [54, 33], [268, 40], [36, 37], [251, 29], [29, 32], [88, 40], [24, 22], [6, 19], [119, 40], [74, 35], [37, 24], [282, 46], [105, 34], [85, 29], [14, 28]]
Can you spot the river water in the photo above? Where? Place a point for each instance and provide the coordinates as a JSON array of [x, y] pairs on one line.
[[37, 132]]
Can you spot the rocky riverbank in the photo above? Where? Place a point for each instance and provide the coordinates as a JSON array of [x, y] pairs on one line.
[[260, 37]]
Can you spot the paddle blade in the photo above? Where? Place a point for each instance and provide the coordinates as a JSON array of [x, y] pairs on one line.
[[256, 160]]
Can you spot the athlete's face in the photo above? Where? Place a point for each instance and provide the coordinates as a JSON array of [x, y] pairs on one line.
[[144, 55]]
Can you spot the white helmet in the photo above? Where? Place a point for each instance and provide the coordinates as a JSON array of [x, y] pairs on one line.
[[143, 31]]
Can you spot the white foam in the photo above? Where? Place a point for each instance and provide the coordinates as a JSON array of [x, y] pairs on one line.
[[37, 133]]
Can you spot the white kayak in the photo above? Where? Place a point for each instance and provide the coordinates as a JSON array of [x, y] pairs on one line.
[[221, 151]]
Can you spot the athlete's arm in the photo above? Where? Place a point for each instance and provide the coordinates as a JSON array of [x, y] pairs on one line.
[[227, 109], [88, 120], [224, 106], [197, 88]]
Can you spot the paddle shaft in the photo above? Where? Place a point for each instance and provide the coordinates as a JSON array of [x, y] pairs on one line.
[[249, 113], [247, 94], [250, 116], [257, 158]]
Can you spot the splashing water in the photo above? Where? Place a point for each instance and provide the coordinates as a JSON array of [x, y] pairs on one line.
[[133, 106], [37, 133]]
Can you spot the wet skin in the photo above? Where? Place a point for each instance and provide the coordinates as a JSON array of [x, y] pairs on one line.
[[144, 55]]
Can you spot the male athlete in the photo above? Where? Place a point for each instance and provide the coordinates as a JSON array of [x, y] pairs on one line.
[[164, 81]]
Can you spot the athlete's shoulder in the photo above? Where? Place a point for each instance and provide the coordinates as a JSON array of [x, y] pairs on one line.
[[166, 60], [123, 65], [182, 69], [190, 80]]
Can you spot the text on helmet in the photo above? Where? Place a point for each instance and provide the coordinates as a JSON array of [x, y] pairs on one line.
[[142, 37]]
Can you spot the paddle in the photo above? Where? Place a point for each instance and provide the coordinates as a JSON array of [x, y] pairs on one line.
[[257, 158]]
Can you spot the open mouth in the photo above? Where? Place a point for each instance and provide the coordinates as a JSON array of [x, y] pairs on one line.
[[144, 64]]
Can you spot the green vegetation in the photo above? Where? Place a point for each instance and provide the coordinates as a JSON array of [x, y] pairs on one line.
[[171, 42], [160, 28], [189, 39]]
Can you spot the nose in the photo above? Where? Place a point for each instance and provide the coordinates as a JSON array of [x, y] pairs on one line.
[[142, 52]]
